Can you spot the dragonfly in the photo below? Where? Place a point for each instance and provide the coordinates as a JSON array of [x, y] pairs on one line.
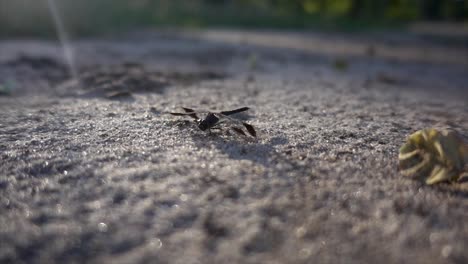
[[213, 120]]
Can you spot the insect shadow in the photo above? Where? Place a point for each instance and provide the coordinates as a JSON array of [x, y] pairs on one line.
[[238, 148]]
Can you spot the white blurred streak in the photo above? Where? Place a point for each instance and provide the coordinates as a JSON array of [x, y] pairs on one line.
[[63, 38]]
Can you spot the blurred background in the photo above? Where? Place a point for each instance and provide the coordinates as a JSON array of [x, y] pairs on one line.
[[90, 17]]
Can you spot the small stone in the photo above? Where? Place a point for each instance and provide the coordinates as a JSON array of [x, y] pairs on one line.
[[102, 227]]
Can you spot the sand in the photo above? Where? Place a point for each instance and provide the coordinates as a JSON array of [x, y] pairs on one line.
[[99, 172]]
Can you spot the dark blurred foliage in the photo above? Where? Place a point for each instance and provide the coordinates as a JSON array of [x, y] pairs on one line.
[[94, 16]]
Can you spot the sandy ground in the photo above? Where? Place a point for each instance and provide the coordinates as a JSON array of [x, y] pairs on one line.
[[100, 173]]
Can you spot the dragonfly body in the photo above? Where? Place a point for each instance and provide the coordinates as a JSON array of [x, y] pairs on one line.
[[208, 122], [213, 119]]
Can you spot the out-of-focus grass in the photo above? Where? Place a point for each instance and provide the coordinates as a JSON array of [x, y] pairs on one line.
[[90, 17]]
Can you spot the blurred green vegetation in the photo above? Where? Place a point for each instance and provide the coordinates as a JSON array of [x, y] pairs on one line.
[[84, 17]]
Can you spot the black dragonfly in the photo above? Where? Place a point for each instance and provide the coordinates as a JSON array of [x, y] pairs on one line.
[[214, 119]]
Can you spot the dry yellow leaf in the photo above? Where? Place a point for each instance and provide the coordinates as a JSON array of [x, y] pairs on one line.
[[434, 155]]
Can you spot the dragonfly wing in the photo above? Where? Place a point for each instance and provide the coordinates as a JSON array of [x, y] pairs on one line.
[[188, 110], [250, 129], [238, 131], [224, 119], [235, 111], [191, 114]]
